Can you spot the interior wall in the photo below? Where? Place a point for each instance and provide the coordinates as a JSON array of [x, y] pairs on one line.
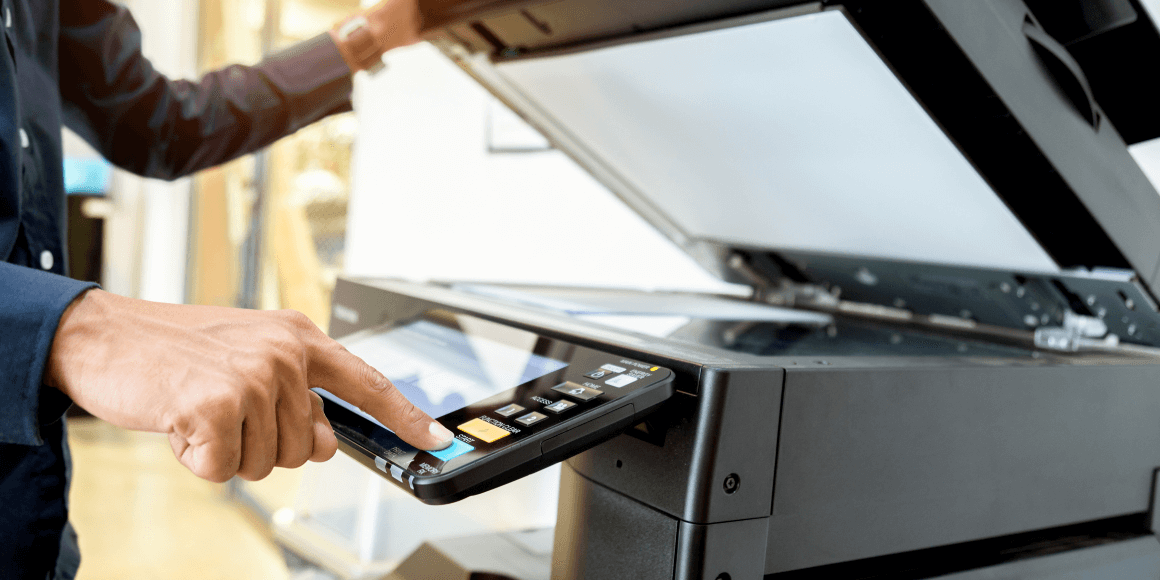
[[146, 237]]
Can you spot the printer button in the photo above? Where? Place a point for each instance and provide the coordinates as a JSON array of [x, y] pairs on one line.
[[531, 419], [508, 410], [483, 430], [577, 391], [620, 381], [456, 449], [560, 406]]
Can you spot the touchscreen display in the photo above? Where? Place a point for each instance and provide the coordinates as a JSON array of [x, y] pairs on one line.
[[444, 362]]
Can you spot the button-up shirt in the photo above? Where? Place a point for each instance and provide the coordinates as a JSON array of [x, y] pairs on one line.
[[79, 63]]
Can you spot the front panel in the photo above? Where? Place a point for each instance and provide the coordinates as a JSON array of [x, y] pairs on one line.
[[517, 401]]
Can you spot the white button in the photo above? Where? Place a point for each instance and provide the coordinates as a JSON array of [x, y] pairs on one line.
[[620, 381], [7, 18], [24, 142], [46, 260]]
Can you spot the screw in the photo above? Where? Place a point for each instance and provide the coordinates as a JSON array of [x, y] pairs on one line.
[[732, 483]]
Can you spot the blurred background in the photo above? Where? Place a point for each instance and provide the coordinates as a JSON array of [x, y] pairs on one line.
[[429, 178]]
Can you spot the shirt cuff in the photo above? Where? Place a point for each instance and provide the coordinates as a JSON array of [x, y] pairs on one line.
[[31, 304], [320, 82]]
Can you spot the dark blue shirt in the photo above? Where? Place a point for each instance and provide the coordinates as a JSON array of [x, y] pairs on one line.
[[79, 63]]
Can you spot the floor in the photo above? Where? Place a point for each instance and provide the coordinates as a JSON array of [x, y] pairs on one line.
[[140, 514]]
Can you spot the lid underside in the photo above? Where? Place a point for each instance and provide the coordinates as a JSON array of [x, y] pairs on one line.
[[831, 140]]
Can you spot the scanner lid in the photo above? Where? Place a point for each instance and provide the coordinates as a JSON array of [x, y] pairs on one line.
[[936, 157]]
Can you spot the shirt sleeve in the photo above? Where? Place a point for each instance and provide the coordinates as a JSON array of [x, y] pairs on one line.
[[31, 304], [157, 127]]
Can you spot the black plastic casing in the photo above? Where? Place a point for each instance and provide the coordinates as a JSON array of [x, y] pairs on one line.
[[529, 448], [830, 465]]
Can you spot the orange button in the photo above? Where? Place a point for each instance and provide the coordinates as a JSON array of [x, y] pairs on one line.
[[483, 430]]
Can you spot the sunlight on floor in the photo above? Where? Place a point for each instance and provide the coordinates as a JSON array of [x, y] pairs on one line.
[[140, 514]]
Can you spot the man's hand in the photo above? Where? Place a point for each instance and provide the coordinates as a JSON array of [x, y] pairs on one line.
[[229, 386], [363, 38]]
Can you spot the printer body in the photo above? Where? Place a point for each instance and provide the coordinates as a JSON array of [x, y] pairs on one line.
[[951, 369]]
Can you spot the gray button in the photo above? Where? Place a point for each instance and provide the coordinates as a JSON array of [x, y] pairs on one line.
[[531, 419], [24, 142], [46, 260], [577, 391], [509, 410], [560, 406]]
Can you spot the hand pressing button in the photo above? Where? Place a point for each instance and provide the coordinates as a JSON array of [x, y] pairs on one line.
[[456, 449]]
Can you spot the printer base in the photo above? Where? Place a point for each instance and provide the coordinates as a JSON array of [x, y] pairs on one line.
[[604, 535]]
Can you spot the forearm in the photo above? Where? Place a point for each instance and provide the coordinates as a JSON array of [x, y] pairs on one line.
[[157, 127]]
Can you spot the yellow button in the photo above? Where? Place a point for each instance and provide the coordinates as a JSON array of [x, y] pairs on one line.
[[483, 430]]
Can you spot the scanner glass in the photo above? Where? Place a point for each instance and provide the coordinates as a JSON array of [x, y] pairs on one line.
[[786, 134]]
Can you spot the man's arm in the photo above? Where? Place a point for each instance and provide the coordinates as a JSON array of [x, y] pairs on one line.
[[231, 387], [31, 304], [157, 127]]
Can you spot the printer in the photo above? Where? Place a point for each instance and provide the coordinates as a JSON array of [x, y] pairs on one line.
[[947, 362]]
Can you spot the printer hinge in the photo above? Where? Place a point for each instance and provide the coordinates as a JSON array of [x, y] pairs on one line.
[[1077, 333], [781, 291]]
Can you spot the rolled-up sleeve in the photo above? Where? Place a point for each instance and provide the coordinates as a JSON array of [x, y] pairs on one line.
[[154, 126], [31, 304]]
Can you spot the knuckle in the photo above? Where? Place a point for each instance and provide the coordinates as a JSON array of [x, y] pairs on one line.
[[223, 407], [327, 450], [379, 385], [259, 468], [217, 471], [298, 459], [412, 415], [406, 414], [264, 471], [254, 366], [218, 476], [297, 320], [298, 411], [258, 394]]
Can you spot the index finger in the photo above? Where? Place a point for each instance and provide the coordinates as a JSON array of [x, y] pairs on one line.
[[351, 379]]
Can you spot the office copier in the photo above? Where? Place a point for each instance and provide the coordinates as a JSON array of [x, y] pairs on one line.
[[946, 364]]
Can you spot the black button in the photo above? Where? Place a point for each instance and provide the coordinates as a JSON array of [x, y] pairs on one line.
[[579, 392], [560, 406], [598, 374], [509, 410], [531, 418]]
